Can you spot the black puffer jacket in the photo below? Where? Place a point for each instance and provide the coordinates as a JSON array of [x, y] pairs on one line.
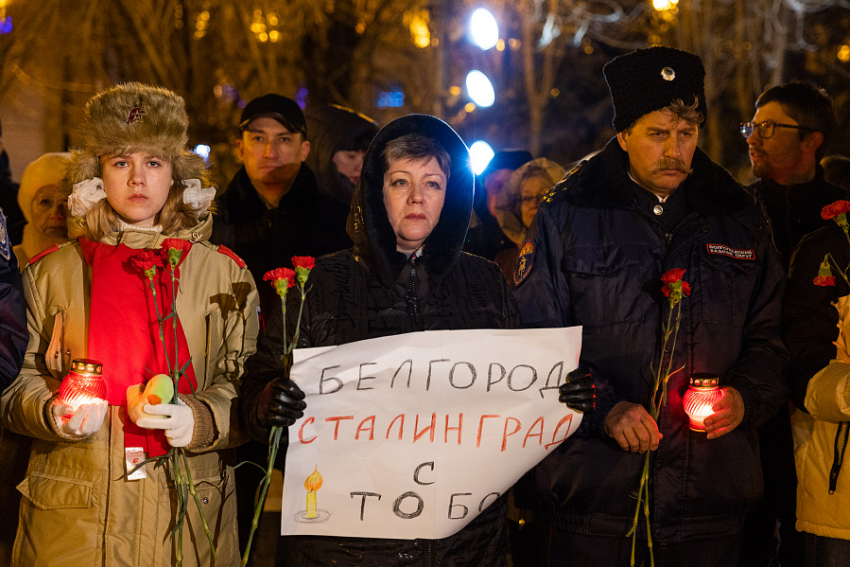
[[598, 262], [794, 210], [373, 291]]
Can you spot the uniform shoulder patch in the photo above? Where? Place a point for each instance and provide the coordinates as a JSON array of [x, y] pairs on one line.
[[5, 245], [43, 253], [232, 255], [525, 262]]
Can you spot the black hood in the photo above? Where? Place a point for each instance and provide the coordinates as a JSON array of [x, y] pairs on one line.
[[368, 224], [332, 129]]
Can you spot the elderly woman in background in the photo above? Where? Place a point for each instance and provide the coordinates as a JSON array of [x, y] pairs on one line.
[[405, 273], [44, 205], [517, 205]]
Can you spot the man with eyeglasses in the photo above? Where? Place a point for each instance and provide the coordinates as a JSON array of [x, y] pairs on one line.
[[787, 138]]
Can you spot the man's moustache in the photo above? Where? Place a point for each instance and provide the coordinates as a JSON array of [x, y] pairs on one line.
[[676, 164]]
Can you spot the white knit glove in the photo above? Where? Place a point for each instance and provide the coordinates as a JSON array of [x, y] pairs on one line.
[[85, 421], [177, 421]]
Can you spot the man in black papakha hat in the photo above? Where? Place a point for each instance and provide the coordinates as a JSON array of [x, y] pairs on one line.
[[650, 202]]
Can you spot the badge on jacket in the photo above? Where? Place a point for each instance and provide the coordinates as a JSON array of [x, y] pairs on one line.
[[525, 262], [5, 246], [723, 250]]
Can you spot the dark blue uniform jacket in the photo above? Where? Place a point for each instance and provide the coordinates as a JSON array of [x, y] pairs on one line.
[[597, 262]]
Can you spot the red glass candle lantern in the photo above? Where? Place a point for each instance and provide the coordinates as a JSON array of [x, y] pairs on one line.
[[703, 393], [84, 384]]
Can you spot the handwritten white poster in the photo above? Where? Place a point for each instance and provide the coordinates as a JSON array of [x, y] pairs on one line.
[[412, 436]]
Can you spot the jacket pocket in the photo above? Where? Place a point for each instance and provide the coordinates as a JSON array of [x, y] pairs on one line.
[[52, 492], [605, 283], [217, 499], [726, 287], [54, 505]]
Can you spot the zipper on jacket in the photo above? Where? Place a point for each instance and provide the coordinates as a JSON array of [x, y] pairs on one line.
[[411, 297], [838, 458]]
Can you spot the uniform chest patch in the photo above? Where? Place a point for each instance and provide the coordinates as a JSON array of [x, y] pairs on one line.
[[525, 262], [723, 250]]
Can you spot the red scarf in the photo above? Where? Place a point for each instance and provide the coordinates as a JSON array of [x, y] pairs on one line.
[[124, 332]]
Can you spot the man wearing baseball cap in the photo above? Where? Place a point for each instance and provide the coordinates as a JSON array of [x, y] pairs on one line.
[[272, 209], [648, 203]]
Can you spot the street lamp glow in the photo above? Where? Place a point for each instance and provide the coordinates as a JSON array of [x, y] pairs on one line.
[[480, 154], [480, 89], [202, 150], [484, 29]]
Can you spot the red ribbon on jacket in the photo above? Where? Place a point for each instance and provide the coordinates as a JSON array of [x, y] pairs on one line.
[[124, 332]]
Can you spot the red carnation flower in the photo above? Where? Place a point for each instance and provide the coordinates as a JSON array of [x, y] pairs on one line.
[[173, 250], [824, 281], [306, 262], [673, 275], [281, 279], [147, 262], [832, 210], [303, 265], [824, 277], [675, 287]]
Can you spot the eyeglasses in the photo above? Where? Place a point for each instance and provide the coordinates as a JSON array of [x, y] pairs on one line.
[[529, 199], [767, 128]]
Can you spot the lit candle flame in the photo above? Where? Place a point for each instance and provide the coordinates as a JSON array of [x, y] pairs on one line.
[[314, 481], [77, 399]]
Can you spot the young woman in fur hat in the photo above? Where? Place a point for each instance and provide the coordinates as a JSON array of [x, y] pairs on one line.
[[133, 186]]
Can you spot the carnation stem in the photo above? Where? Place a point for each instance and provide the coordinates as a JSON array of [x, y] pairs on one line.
[[194, 494], [175, 377], [837, 267], [161, 325], [274, 443], [178, 522]]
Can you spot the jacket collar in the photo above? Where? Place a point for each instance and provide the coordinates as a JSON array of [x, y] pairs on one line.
[[146, 239], [812, 187], [603, 182], [240, 202]]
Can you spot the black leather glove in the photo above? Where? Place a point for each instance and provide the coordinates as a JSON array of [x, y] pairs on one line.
[[579, 392], [281, 403]]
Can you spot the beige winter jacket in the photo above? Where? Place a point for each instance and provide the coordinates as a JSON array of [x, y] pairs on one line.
[[76, 509], [828, 403]]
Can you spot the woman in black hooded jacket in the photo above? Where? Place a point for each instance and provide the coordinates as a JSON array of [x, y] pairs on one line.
[[384, 287]]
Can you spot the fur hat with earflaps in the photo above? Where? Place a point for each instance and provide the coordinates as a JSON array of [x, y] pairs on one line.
[[130, 118]]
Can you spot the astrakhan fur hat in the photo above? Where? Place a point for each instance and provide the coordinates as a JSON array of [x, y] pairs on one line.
[[133, 117]]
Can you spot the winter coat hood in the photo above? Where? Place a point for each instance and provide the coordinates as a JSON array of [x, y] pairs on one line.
[[509, 199], [368, 224], [332, 129]]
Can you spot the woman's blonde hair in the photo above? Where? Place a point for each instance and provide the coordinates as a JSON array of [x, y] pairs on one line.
[[101, 218]]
